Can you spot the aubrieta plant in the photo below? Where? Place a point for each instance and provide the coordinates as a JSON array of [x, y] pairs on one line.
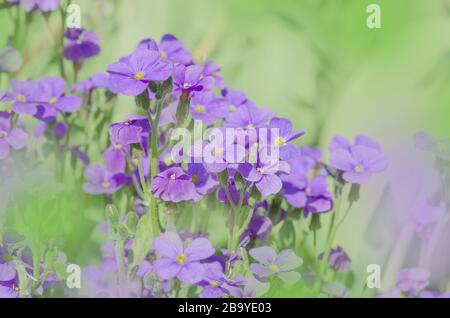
[[193, 152]]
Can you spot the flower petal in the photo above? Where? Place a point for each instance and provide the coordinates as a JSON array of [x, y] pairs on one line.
[[199, 249]]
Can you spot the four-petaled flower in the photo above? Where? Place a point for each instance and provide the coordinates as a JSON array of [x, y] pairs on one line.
[[180, 262]]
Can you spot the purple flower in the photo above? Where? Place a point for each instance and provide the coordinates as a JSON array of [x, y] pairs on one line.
[[359, 161], [170, 48], [51, 97], [338, 260], [8, 275], [235, 99], [131, 75], [10, 137], [413, 280], [234, 193], [190, 78], [81, 44], [207, 108], [215, 284], [313, 196], [248, 116], [281, 265], [102, 181], [23, 96], [204, 182], [212, 69], [253, 288], [134, 130], [43, 5], [180, 262], [259, 228], [263, 174], [174, 185], [285, 136]]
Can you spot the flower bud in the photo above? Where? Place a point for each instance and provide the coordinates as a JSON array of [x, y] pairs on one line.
[[112, 215], [131, 222]]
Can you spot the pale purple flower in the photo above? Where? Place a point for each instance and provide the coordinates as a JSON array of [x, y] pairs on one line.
[[359, 161], [10, 137], [215, 283], [82, 44], [174, 185], [52, 99], [23, 96], [248, 116], [102, 181], [132, 75], [285, 135], [282, 265], [338, 260], [207, 107], [42, 5], [259, 227], [204, 182], [179, 261], [413, 280], [8, 275], [170, 48], [313, 196], [253, 288]]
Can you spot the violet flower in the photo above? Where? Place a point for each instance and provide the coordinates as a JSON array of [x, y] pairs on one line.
[[102, 181], [8, 275], [207, 107], [177, 261], [359, 161], [215, 283], [204, 182], [285, 136], [81, 44], [413, 280], [170, 48], [338, 260], [253, 288], [248, 116], [23, 96], [42, 5], [190, 79], [313, 196], [10, 137], [281, 265], [174, 185], [132, 75]]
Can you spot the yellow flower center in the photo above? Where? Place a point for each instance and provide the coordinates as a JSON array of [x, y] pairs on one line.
[[21, 98], [273, 268], [250, 126], [232, 108], [359, 169], [181, 259], [7, 258], [195, 179], [139, 75], [200, 109], [173, 177], [186, 85], [53, 101], [280, 141], [163, 55], [106, 185], [3, 134], [214, 284], [168, 161], [218, 152], [260, 170]]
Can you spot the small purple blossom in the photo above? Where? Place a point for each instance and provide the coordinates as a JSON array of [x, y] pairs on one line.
[[253, 288], [174, 185], [170, 48], [102, 181], [359, 161], [207, 108], [82, 44], [215, 284], [177, 261], [190, 79], [285, 136], [282, 265], [338, 260], [132, 75], [204, 182], [10, 137], [413, 280], [42, 5]]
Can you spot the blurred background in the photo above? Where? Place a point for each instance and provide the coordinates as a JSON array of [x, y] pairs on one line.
[[315, 62]]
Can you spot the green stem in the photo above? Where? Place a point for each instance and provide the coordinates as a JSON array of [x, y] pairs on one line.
[[329, 244], [154, 166]]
